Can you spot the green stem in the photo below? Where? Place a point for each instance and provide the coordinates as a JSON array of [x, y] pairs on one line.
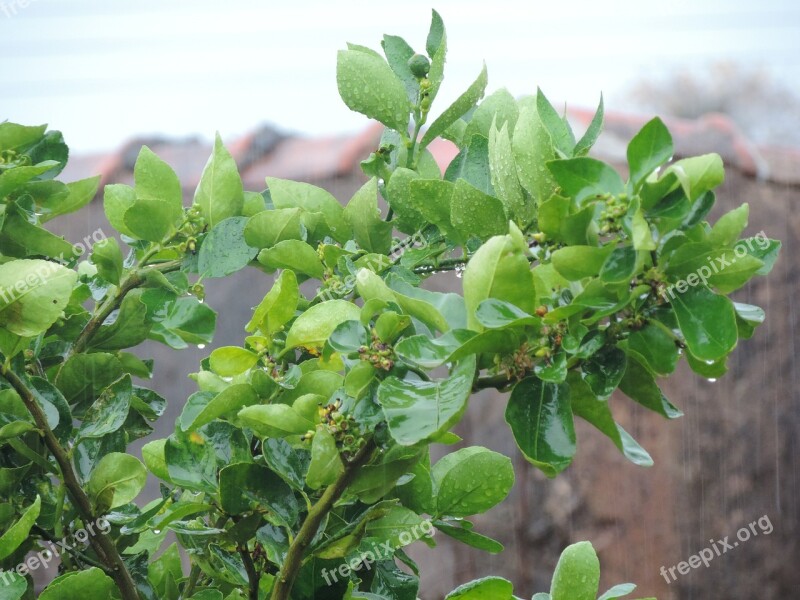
[[294, 557], [23, 449], [102, 544], [77, 554], [135, 279], [498, 382]]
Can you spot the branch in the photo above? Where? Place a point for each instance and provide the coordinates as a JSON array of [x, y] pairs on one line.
[[291, 565], [499, 382], [135, 279], [102, 544], [252, 573]]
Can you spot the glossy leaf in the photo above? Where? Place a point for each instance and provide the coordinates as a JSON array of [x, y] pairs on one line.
[[224, 250], [648, 150], [17, 533], [471, 481], [421, 410], [540, 418], [577, 574], [461, 105]]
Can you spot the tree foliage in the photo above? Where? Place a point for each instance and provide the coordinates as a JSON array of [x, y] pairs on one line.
[[306, 449]]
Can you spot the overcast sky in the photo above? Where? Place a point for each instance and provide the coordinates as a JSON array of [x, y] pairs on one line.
[[104, 71]]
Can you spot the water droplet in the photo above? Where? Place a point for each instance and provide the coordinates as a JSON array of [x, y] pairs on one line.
[[156, 531], [201, 301], [200, 346], [712, 379]]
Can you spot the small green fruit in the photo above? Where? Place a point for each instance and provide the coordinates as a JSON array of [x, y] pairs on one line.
[[419, 65]]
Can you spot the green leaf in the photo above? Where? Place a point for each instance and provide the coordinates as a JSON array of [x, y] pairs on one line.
[[558, 128], [603, 371], [472, 165], [431, 200], [435, 38], [504, 176], [584, 178], [499, 108], [278, 306], [268, 227], [533, 147], [499, 269], [33, 295], [227, 401], [130, 328], [640, 386], [154, 460], [312, 199], [90, 584], [232, 360], [400, 198], [295, 255], [314, 326], [79, 194], [621, 265], [368, 85], [618, 591], [326, 464], [109, 412], [748, 317], [698, 175], [497, 314], [462, 104], [596, 411], [592, 132], [466, 536], [245, 487], [116, 480], [471, 481], [220, 194], [488, 588], [474, 213], [648, 150], [729, 226], [14, 586], [224, 250], [274, 420], [576, 262], [107, 257], [707, 322], [428, 353], [14, 136], [577, 574], [187, 321], [159, 198], [653, 347], [370, 231], [117, 199], [540, 418], [84, 376], [398, 53], [15, 535], [422, 410]]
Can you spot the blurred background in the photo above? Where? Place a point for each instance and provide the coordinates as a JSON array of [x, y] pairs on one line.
[[726, 76]]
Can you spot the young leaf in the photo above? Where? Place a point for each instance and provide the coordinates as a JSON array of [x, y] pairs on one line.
[[370, 231], [648, 150], [220, 193], [585, 178], [592, 132], [368, 85], [16, 534], [488, 588], [577, 574], [462, 104]]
